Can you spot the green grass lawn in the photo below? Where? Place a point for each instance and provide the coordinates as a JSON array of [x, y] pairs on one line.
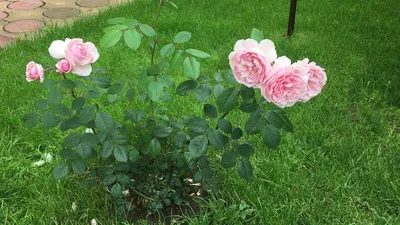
[[340, 166]]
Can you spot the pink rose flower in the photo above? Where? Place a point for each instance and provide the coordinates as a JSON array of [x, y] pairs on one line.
[[64, 66], [34, 72], [251, 61], [316, 78], [77, 52], [286, 84]]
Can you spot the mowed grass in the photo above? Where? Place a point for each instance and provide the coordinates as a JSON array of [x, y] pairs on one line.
[[340, 166]]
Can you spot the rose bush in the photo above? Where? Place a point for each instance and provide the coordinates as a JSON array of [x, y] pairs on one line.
[[151, 158]]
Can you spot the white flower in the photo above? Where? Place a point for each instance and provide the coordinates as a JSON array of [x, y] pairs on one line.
[[126, 192], [73, 206], [93, 222], [39, 163], [89, 130], [48, 157]]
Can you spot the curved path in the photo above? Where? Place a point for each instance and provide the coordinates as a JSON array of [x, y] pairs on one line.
[[21, 17]]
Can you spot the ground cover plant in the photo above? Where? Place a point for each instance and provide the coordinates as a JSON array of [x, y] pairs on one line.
[[338, 167]]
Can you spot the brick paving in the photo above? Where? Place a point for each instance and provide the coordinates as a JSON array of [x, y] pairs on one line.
[[21, 17]]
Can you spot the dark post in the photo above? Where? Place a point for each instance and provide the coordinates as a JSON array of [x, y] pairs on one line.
[[292, 17]]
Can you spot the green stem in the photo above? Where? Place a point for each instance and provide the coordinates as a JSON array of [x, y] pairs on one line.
[[72, 90], [142, 195]]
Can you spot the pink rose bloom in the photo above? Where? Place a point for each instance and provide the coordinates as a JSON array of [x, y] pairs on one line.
[[77, 52], [316, 78], [251, 61], [64, 66], [34, 72], [286, 84]]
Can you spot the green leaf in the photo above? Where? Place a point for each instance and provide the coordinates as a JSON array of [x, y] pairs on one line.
[[166, 81], [69, 84], [106, 149], [130, 94], [257, 35], [116, 20], [182, 37], [54, 96], [132, 39], [245, 169], [274, 119], [60, 171], [198, 146], [228, 77], [147, 30], [134, 115], [48, 83], [217, 139], [176, 60], [145, 82], [67, 154], [90, 139], [180, 139], [103, 82], [93, 92], [84, 150], [115, 88], [120, 154], [154, 147], [203, 92], [120, 27], [48, 120], [131, 23], [287, 125], [198, 176], [218, 89], [228, 99], [271, 137], [70, 123], [248, 107], [112, 98], [191, 68], [247, 94], [41, 104], [210, 111], [167, 50], [72, 140], [156, 91], [78, 103], [198, 125], [116, 191], [245, 150], [237, 133], [197, 53], [62, 110], [161, 131], [104, 122], [228, 159], [218, 77], [255, 124], [109, 179], [134, 155], [86, 114], [79, 166], [225, 125], [186, 87], [110, 38], [123, 179], [31, 119], [156, 69]]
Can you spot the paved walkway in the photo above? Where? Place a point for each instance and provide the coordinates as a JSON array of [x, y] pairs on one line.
[[21, 17]]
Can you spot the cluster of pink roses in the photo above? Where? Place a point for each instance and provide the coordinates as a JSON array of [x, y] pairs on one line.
[[76, 57], [256, 65]]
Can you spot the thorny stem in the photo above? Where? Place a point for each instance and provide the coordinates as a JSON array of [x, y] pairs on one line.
[[72, 90]]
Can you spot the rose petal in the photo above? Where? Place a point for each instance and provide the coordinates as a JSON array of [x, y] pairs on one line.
[[268, 48], [239, 45], [250, 43], [57, 49], [80, 70], [93, 50], [282, 61]]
